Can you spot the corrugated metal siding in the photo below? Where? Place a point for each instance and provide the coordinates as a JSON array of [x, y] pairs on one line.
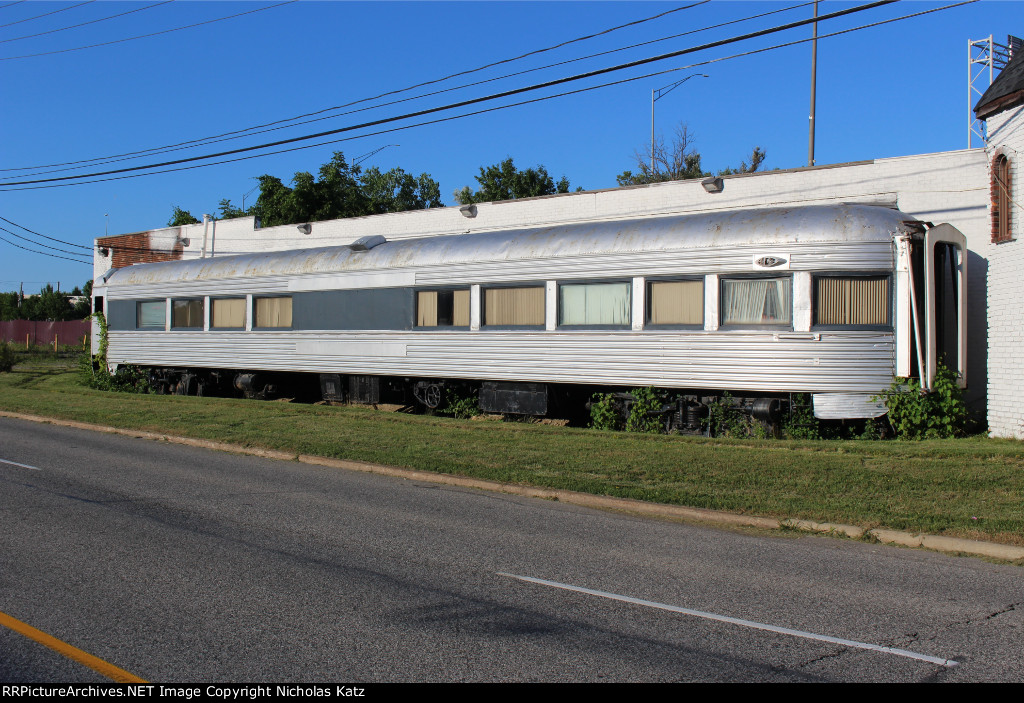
[[751, 361]]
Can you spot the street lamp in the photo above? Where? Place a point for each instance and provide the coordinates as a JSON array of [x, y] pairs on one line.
[[657, 95], [358, 159]]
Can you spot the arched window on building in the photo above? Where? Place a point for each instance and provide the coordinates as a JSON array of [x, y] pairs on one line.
[[1001, 206]]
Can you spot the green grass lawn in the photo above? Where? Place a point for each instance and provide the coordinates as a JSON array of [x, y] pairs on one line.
[[970, 488]]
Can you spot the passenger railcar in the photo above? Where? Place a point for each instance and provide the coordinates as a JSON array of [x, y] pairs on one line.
[[831, 300]]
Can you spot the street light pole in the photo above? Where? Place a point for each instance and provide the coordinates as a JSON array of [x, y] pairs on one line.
[[657, 95]]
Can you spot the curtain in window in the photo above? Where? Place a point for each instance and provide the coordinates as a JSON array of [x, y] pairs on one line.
[[227, 312], [460, 312], [594, 304], [151, 313], [675, 302], [757, 301], [514, 306], [426, 308], [187, 313], [851, 301], [273, 312], [442, 308]]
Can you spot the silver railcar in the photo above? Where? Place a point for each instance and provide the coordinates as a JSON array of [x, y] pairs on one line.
[[834, 301]]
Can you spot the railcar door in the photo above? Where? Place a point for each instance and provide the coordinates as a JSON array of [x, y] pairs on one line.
[[945, 303]]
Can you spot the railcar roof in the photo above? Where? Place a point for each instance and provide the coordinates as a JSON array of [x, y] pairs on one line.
[[762, 227]]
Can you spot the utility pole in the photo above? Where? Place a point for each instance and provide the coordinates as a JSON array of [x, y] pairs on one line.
[[814, 80]]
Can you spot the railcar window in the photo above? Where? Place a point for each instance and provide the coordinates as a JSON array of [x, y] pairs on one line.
[[273, 312], [851, 300], [150, 314], [514, 306], [227, 312], [594, 304], [675, 302], [757, 301], [187, 313], [442, 308]]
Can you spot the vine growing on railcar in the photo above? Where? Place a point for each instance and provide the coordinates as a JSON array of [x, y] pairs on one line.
[[915, 414], [95, 373]]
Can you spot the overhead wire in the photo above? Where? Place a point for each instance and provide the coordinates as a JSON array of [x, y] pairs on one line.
[[55, 256], [146, 36], [241, 132], [213, 140], [52, 239], [525, 102], [472, 101], [45, 14], [40, 244], [83, 24]]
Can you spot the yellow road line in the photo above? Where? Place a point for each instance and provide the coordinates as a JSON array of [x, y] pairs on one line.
[[95, 663]]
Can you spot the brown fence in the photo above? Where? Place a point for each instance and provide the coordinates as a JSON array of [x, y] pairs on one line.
[[29, 333]]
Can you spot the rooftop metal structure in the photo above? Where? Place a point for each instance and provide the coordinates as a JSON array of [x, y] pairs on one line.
[[984, 58]]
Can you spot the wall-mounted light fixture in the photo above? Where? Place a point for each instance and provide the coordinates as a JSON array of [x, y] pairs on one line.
[[185, 241], [468, 210], [713, 184], [104, 251], [305, 228]]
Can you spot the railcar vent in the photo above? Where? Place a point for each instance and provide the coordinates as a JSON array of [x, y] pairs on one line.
[[367, 243]]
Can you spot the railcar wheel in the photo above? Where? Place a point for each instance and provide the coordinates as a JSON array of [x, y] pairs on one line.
[[432, 396]]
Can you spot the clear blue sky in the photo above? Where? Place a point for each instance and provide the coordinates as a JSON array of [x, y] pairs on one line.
[[891, 90]]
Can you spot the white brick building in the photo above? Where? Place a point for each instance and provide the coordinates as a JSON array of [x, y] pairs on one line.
[[954, 187], [1002, 107]]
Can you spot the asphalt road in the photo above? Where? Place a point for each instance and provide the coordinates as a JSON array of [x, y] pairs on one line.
[[181, 564]]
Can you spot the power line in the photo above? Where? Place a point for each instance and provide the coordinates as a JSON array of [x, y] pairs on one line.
[[212, 140], [52, 239], [55, 256], [40, 244], [503, 107], [82, 24], [45, 14], [241, 132], [473, 101], [525, 102], [146, 36]]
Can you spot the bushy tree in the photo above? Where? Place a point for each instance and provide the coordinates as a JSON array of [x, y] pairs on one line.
[[338, 190], [9, 308], [49, 305], [503, 181], [398, 191], [181, 217]]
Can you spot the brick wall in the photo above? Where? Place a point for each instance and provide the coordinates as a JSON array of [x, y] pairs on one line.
[[138, 248], [1006, 289]]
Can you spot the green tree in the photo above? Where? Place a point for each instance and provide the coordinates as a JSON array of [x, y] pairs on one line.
[[9, 307], [503, 181], [48, 305], [181, 217], [678, 161], [398, 191], [83, 307], [229, 211]]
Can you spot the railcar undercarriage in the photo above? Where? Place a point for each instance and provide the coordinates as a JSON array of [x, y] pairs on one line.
[[676, 411]]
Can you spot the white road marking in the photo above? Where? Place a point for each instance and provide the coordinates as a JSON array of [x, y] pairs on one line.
[[738, 621], [24, 466]]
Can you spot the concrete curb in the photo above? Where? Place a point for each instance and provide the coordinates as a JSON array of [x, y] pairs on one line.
[[952, 545]]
